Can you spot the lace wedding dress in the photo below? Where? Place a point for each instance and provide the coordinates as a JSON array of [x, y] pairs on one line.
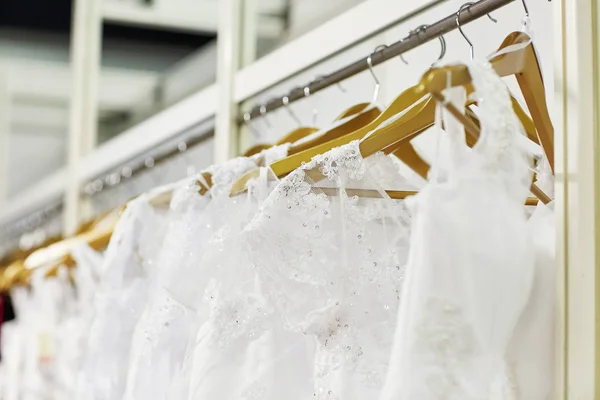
[[471, 263], [162, 335], [329, 270]]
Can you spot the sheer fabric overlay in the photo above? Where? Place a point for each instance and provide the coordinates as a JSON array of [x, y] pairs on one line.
[[333, 271], [162, 336]]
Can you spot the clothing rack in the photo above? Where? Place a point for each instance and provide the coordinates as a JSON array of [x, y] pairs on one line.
[[416, 38]]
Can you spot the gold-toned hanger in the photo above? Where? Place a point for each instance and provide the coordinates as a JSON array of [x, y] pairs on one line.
[[524, 65], [406, 99], [59, 253], [353, 110], [298, 133], [10, 275], [257, 148], [283, 167], [352, 124], [421, 117], [338, 129]]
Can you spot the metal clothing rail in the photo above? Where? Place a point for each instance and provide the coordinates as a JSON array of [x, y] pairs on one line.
[[424, 34]]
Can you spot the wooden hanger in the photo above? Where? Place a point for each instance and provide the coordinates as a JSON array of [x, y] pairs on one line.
[[352, 124], [522, 63], [290, 163], [353, 110], [10, 277], [59, 253], [296, 135], [257, 148], [416, 121], [303, 132]]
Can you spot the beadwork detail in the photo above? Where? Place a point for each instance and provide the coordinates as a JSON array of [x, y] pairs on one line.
[[236, 318], [337, 265]]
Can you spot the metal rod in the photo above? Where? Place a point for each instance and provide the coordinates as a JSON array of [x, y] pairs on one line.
[[414, 40]]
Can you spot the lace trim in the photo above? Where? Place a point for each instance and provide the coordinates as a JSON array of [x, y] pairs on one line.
[[445, 337], [362, 293], [236, 318]]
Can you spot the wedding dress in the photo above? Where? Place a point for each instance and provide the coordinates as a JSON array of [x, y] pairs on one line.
[[75, 324], [329, 269], [471, 264], [530, 354], [31, 342], [129, 262], [162, 335]]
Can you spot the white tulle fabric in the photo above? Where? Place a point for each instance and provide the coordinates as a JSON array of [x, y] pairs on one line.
[[170, 317], [233, 345], [126, 273], [330, 266], [471, 263], [39, 363], [75, 324], [530, 355]]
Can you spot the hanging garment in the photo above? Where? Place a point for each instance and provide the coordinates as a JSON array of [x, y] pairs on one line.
[[31, 343], [75, 324], [129, 262], [330, 267], [162, 334], [236, 342], [471, 262], [530, 355]]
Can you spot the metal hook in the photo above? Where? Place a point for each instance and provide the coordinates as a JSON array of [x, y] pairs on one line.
[[370, 64], [526, 9], [466, 6], [248, 121], [423, 28], [286, 101], [263, 113]]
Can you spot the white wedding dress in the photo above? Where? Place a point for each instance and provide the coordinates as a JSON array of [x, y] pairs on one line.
[[530, 355], [471, 265], [129, 264], [31, 344], [162, 335], [75, 323], [330, 266]]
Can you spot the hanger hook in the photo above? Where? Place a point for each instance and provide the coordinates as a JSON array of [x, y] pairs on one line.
[[370, 65], [458, 25], [248, 121], [286, 101], [526, 9], [263, 113], [401, 55], [466, 5], [423, 28]]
